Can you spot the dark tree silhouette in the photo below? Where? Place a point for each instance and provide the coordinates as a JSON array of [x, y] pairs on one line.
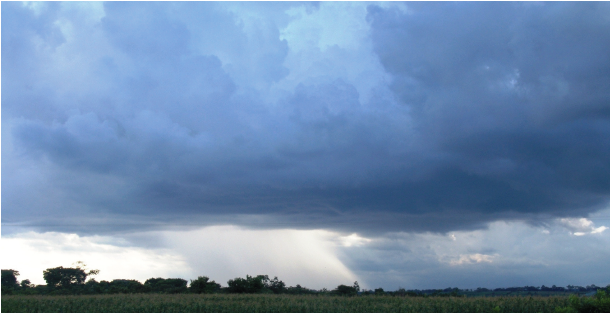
[[9, 281], [343, 290], [247, 285], [166, 285], [64, 276], [203, 285]]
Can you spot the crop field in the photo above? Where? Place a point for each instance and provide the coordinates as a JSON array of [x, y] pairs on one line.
[[276, 303]]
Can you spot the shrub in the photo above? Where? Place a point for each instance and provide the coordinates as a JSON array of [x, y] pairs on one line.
[[600, 303]]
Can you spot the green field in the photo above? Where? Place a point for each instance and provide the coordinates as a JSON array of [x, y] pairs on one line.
[[277, 303]]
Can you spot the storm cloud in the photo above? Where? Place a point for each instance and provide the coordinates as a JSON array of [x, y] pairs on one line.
[[361, 117]]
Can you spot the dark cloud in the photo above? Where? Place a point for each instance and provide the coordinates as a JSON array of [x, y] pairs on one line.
[[142, 31], [495, 111], [511, 94]]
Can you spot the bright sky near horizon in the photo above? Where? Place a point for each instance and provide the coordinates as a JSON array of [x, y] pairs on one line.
[[415, 145]]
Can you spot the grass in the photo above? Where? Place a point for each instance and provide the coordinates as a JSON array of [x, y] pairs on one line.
[[276, 303]]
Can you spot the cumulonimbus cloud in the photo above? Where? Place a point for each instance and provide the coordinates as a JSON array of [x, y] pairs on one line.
[[421, 117]]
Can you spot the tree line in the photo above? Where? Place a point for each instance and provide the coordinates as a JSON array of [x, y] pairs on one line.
[[73, 280], [545, 288]]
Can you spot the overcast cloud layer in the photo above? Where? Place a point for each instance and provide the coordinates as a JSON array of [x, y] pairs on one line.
[[347, 116]]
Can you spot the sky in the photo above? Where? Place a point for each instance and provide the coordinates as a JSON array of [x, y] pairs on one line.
[[402, 145]]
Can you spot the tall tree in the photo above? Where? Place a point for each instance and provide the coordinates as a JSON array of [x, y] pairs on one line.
[[9, 281], [66, 277]]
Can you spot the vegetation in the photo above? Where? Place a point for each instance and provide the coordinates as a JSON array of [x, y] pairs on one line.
[[9, 280], [68, 290], [65, 277], [600, 303], [237, 303], [247, 285], [203, 285]]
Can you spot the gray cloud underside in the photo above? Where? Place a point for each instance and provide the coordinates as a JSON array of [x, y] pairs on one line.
[[494, 111]]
